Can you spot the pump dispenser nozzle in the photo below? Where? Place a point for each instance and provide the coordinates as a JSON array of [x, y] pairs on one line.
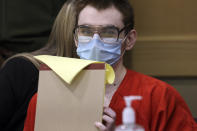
[[129, 99], [128, 112]]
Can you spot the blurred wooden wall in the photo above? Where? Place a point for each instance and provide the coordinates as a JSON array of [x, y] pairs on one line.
[[167, 38], [166, 46]]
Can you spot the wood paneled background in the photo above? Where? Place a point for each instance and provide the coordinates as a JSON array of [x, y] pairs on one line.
[[166, 46], [167, 38]]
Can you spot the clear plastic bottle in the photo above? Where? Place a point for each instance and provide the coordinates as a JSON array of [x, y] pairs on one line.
[[128, 116]]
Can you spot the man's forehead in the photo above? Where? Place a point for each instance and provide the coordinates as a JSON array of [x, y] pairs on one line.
[[91, 16]]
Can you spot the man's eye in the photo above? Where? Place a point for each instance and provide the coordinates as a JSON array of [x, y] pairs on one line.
[[108, 33], [86, 32]]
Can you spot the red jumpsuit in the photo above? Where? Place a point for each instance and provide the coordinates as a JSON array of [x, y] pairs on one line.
[[161, 109]]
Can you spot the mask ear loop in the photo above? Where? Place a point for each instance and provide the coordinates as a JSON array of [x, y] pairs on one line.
[[122, 53]]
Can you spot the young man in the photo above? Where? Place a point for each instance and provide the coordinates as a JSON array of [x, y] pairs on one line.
[[104, 31]]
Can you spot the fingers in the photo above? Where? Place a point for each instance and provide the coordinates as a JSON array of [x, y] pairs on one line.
[[100, 126], [109, 117], [109, 112], [108, 121]]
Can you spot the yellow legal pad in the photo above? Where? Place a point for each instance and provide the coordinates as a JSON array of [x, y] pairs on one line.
[[68, 68]]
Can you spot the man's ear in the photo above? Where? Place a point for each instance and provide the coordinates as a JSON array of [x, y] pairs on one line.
[[131, 39]]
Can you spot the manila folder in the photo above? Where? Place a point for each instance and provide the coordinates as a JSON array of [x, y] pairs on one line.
[[70, 107]]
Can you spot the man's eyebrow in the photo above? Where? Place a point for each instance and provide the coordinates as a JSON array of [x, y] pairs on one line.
[[84, 25], [88, 25], [110, 26]]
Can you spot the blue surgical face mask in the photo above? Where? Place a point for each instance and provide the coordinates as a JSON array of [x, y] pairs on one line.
[[97, 50]]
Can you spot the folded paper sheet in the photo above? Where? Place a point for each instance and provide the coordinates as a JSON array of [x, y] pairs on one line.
[[68, 68]]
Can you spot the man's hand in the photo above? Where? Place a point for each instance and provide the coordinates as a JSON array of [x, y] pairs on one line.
[[109, 118]]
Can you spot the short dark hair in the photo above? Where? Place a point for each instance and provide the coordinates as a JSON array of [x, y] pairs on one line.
[[123, 6]]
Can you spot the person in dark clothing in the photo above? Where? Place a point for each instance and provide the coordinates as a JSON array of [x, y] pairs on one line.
[[25, 25], [17, 85], [19, 73]]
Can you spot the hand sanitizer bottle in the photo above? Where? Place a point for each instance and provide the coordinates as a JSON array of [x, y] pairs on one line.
[[128, 116]]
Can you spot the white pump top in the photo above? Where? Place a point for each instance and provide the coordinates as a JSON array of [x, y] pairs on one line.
[[128, 112]]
